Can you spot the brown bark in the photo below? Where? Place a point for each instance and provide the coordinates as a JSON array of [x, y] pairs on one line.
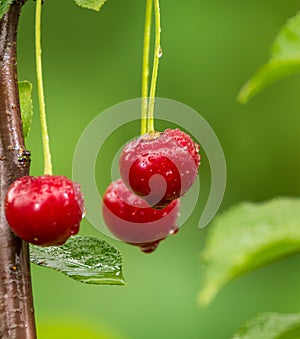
[[16, 303]]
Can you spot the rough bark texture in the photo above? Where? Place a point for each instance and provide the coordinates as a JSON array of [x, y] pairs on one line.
[[16, 304]]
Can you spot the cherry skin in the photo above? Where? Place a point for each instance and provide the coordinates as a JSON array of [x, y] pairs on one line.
[[44, 210], [160, 167], [132, 220]]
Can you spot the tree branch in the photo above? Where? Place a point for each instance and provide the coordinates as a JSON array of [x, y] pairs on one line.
[[16, 303]]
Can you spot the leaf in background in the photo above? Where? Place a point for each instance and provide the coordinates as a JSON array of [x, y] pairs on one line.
[[284, 60], [246, 237], [25, 88], [90, 4], [4, 6], [87, 260], [271, 326]]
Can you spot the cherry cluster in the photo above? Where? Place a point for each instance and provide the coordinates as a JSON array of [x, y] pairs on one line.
[[140, 209], [156, 170]]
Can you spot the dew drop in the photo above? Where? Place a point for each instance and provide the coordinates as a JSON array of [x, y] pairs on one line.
[[36, 206], [160, 52], [173, 231], [169, 173], [143, 164], [149, 247]]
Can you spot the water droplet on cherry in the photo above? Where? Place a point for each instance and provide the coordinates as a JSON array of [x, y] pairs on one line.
[[150, 247]]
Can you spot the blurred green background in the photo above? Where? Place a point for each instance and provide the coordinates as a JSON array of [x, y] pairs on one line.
[[92, 61]]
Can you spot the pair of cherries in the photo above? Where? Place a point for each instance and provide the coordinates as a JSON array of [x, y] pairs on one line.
[[140, 209], [156, 169]]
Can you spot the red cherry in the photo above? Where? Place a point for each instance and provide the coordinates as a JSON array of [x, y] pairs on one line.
[[132, 220], [44, 210], [160, 167]]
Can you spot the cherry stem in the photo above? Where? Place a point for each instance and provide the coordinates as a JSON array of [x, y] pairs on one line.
[[41, 97], [145, 70], [157, 55]]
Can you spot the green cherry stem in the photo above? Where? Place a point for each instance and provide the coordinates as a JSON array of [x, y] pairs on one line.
[[157, 54], [41, 97], [145, 70]]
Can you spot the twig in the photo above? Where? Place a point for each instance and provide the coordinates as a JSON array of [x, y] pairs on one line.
[[16, 303]]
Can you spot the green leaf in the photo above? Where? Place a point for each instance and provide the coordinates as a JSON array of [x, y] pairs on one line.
[[271, 326], [88, 260], [90, 4], [284, 60], [246, 237], [25, 89], [4, 6]]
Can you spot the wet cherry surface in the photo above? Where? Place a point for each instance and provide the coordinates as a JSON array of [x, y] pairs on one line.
[[44, 210], [160, 167], [132, 220]]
